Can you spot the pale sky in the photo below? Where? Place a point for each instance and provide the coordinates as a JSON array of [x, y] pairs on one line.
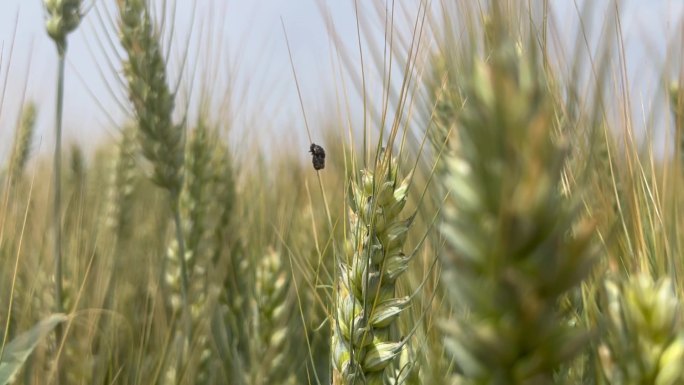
[[250, 30], [256, 59]]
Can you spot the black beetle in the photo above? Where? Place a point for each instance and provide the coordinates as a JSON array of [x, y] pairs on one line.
[[318, 156]]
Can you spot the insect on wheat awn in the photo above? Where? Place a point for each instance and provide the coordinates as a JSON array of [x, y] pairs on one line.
[[318, 156]]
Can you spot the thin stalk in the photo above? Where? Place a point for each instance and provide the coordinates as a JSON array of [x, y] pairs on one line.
[[63, 17], [57, 206]]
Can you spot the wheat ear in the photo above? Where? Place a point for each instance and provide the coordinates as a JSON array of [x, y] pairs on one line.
[[514, 245], [642, 340], [364, 342], [273, 305], [21, 149], [161, 139]]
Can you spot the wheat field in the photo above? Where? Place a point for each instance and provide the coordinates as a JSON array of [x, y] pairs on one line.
[[474, 203]]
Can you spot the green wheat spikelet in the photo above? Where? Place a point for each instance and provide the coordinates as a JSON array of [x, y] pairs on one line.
[[201, 213], [63, 17], [271, 331], [643, 340], [364, 342], [206, 202], [160, 138], [514, 247], [21, 148], [121, 184]]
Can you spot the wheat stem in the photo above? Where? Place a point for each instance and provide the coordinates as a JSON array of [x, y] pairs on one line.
[[57, 198]]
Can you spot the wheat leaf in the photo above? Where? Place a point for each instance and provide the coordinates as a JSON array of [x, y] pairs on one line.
[[16, 352]]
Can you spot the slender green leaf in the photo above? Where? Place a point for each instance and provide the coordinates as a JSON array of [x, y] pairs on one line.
[[16, 352]]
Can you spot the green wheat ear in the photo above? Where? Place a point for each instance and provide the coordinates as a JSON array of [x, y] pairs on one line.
[[162, 140], [364, 342], [63, 17], [513, 244], [21, 149], [273, 308], [118, 213], [643, 339]]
